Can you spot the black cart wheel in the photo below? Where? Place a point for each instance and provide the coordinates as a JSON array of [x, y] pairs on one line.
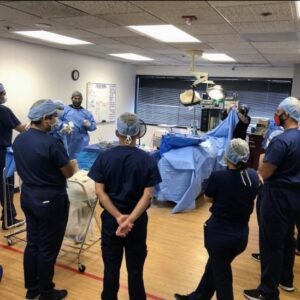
[[9, 242], [81, 268]]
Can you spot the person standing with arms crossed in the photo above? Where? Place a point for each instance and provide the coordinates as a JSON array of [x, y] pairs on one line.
[[125, 177], [43, 165], [280, 204]]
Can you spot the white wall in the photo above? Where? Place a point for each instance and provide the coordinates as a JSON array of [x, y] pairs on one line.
[[31, 72]]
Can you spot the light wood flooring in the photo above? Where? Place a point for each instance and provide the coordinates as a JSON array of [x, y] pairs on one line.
[[175, 262]]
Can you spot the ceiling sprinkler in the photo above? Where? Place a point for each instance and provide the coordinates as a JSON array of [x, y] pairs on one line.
[[189, 19]]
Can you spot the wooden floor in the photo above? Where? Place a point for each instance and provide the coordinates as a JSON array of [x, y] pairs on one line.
[[175, 262]]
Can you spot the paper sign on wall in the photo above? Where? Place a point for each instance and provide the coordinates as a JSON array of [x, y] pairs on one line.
[[101, 101]]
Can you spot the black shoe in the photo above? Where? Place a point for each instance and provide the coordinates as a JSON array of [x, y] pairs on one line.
[[287, 287], [32, 294], [15, 223], [181, 297], [56, 295], [253, 295], [256, 256], [1, 272]]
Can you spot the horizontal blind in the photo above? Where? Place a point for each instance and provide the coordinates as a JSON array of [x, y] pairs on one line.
[[157, 97]]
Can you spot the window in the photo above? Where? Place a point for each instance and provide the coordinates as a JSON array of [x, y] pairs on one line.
[[157, 97]]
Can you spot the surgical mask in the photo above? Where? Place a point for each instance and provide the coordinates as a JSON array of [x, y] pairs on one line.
[[278, 120], [3, 99]]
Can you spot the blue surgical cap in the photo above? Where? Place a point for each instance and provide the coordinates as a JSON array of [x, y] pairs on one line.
[[291, 105], [128, 124], [237, 151], [59, 104], [41, 108], [2, 89]]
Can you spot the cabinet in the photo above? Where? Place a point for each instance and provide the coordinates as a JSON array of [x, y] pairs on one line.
[[255, 141]]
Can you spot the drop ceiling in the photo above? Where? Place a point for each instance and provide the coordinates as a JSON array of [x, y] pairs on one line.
[[236, 28]]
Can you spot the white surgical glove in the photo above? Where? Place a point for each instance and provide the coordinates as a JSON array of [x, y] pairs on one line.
[[86, 123], [67, 129]]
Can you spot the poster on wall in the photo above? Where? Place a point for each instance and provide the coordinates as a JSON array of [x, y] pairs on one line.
[[101, 101]]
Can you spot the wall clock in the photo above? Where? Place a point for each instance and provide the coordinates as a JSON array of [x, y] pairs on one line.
[[75, 74]]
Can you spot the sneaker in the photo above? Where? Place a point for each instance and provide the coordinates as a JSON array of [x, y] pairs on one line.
[[256, 256], [32, 294], [253, 295], [287, 287], [56, 295], [15, 223], [181, 297], [1, 272]]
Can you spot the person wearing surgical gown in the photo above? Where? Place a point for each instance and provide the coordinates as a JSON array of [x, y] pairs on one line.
[[82, 122]]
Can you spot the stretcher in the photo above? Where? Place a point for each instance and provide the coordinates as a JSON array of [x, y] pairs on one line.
[[83, 201]]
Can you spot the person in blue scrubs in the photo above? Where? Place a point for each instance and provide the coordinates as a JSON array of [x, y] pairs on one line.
[[8, 122], [125, 177], [82, 121], [232, 192], [280, 205], [61, 129], [43, 165]]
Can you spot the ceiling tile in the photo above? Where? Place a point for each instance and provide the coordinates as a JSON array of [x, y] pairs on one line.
[[247, 58], [207, 29], [270, 37], [252, 13], [84, 22], [132, 19], [221, 38], [45, 8], [278, 45], [114, 32], [264, 27], [10, 14], [103, 7], [204, 16], [239, 3], [158, 6], [191, 46], [142, 42]]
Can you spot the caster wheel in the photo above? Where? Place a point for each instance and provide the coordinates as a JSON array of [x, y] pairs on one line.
[[9, 242], [81, 268]]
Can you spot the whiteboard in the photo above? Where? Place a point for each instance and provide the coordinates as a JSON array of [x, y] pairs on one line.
[[101, 101]]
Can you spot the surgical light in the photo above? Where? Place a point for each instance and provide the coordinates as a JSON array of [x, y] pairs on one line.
[[216, 92]]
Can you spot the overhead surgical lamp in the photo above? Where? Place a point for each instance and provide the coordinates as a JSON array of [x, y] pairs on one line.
[[216, 92], [190, 97]]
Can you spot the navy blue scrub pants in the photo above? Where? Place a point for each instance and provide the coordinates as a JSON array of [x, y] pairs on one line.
[[279, 210], [135, 248], [11, 211], [46, 211], [223, 242]]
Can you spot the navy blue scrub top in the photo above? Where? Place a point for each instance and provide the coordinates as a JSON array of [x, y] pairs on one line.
[[125, 171], [8, 121], [232, 200], [39, 157], [284, 152]]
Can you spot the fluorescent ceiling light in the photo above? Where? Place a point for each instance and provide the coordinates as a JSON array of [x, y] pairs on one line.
[[217, 57], [166, 33], [131, 56], [298, 8], [52, 37]]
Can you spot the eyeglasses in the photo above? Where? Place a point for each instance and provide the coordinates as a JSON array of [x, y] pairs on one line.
[[76, 98]]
